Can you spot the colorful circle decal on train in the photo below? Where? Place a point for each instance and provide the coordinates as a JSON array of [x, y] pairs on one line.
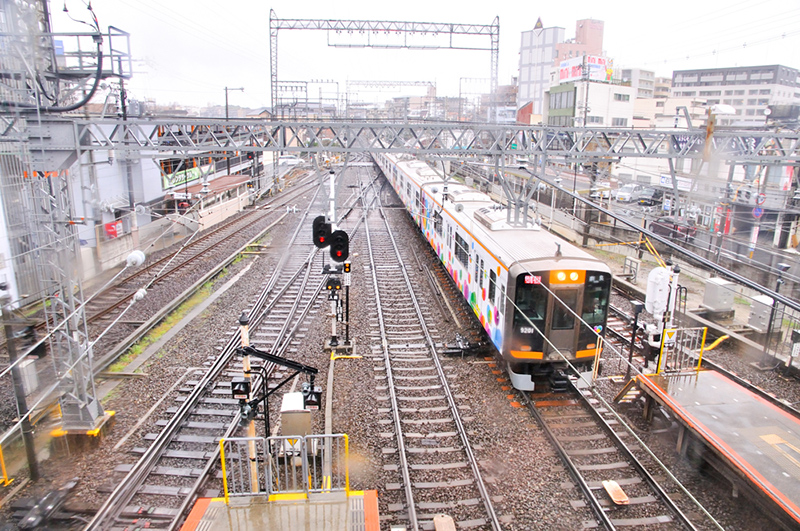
[[598, 328]]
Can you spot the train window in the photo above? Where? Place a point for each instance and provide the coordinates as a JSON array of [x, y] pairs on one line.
[[502, 299], [563, 319], [480, 273], [529, 314], [437, 222], [408, 189], [595, 307], [595, 302], [462, 254], [492, 285]]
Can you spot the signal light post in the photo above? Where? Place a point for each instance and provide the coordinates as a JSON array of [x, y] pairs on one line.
[[249, 414]]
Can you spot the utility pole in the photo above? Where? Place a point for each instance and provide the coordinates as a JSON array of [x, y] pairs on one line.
[[19, 390], [585, 72], [123, 98], [228, 157]]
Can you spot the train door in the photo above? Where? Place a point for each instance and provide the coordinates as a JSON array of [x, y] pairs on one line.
[[563, 325]]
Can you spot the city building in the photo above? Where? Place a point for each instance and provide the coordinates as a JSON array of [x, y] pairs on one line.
[[644, 81], [588, 41], [662, 87], [536, 58], [542, 49], [583, 94], [748, 89]]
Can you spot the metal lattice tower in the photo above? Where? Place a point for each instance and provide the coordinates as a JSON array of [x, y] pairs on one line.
[[45, 73]]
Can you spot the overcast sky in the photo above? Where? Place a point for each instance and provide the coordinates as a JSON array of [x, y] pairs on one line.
[[187, 51]]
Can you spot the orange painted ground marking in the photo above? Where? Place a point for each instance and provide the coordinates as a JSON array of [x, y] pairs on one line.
[[489, 358], [516, 404], [196, 515], [497, 372], [505, 387], [492, 365], [371, 516]]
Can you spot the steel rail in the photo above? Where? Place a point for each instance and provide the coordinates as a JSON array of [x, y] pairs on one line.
[[411, 506], [485, 497], [136, 476], [572, 469], [662, 495], [128, 487]]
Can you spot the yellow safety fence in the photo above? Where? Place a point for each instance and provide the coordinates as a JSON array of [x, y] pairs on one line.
[[682, 350], [285, 468]]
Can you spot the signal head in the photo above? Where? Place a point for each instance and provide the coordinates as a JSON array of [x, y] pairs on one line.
[[321, 232], [340, 246]]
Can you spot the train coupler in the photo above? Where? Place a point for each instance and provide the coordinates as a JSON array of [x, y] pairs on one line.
[[460, 347], [558, 381]]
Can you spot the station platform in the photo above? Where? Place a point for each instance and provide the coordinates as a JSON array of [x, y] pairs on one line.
[[357, 512], [757, 441]]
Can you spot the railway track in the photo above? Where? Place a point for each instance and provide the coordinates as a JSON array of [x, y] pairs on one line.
[[161, 486], [436, 469], [595, 454], [103, 306]]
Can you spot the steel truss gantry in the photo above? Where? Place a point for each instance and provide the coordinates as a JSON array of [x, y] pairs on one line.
[[377, 27], [193, 137]]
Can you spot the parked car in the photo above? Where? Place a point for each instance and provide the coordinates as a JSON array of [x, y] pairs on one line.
[[289, 160], [601, 189], [649, 196], [626, 193], [674, 227]]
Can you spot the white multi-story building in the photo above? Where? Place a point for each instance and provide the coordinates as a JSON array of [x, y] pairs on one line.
[[748, 89], [536, 58], [644, 81], [541, 50]]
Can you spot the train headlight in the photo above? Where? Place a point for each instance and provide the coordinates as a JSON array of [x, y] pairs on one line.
[[573, 276], [561, 276]]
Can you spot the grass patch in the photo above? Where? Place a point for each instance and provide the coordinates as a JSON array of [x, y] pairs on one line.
[[111, 395], [740, 300], [162, 328]]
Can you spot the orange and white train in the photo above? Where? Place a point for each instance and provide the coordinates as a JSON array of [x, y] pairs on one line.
[[542, 301]]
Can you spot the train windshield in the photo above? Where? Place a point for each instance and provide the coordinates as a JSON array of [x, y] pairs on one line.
[[531, 311], [563, 318], [594, 309], [595, 298]]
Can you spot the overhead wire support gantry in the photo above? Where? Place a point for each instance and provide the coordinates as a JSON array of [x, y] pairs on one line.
[[386, 27], [196, 136]]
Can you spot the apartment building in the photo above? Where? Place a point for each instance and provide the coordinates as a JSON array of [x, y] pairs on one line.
[[750, 90], [643, 81]]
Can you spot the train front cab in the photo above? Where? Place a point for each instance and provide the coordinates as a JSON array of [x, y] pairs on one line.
[[537, 314]]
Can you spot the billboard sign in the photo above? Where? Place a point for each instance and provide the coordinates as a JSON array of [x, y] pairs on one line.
[[599, 69], [684, 184], [113, 229], [184, 176]]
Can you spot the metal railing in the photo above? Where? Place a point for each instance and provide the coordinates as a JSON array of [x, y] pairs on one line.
[[314, 464], [682, 350]]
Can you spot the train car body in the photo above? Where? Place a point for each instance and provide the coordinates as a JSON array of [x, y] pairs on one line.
[[519, 281]]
